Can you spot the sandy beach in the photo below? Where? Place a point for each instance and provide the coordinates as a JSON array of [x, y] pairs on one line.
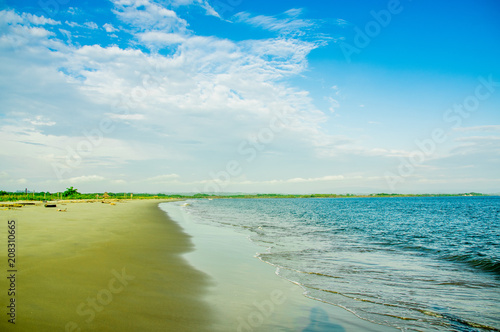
[[101, 267], [128, 266]]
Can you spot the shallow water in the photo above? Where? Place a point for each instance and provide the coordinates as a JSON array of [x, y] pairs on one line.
[[411, 263]]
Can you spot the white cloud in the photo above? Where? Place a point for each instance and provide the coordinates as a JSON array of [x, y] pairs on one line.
[[17, 36], [241, 181], [27, 32], [66, 33], [478, 139], [489, 146], [39, 20], [11, 17], [39, 120], [84, 179], [72, 24], [127, 116], [334, 104], [341, 22], [320, 179], [160, 39], [464, 180], [488, 128], [74, 11], [286, 24], [189, 110], [209, 10], [91, 25], [145, 15], [109, 28], [208, 87]]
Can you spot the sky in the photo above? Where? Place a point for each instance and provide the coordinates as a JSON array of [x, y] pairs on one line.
[[248, 96]]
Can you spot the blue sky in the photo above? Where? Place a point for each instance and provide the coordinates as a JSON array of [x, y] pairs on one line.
[[250, 96]]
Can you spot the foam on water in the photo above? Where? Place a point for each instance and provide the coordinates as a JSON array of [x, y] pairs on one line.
[[411, 263]]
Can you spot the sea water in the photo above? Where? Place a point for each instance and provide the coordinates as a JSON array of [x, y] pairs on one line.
[[422, 263]]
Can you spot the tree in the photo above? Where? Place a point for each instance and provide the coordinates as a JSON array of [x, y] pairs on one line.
[[70, 192]]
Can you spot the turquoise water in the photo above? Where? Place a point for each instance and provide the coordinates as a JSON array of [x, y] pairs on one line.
[[412, 263]]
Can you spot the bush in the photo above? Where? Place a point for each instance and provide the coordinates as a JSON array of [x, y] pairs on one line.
[[70, 192]]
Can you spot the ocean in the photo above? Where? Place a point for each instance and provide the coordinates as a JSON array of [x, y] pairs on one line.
[[417, 264]]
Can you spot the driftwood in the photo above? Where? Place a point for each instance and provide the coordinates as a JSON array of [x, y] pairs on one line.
[[9, 205]]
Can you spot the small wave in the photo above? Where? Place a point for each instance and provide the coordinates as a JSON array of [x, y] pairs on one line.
[[484, 264], [458, 323], [466, 284], [347, 255]]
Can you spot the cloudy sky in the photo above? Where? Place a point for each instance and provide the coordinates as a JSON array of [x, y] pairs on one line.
[[295, 96]]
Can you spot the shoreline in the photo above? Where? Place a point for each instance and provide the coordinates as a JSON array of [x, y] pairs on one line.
[[248, 294], [135, 266], [102, 267], [9, 198]]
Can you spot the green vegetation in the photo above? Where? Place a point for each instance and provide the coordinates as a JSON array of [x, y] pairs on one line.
[[72, 193]]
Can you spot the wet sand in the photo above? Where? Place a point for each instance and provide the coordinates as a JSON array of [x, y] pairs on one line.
[[102, 267], [247, 295]]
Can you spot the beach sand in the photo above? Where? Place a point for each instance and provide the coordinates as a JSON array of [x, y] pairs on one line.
[[101, 267], [129, 267]]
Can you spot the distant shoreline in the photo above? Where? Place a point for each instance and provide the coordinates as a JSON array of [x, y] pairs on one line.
[[115, 197]]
